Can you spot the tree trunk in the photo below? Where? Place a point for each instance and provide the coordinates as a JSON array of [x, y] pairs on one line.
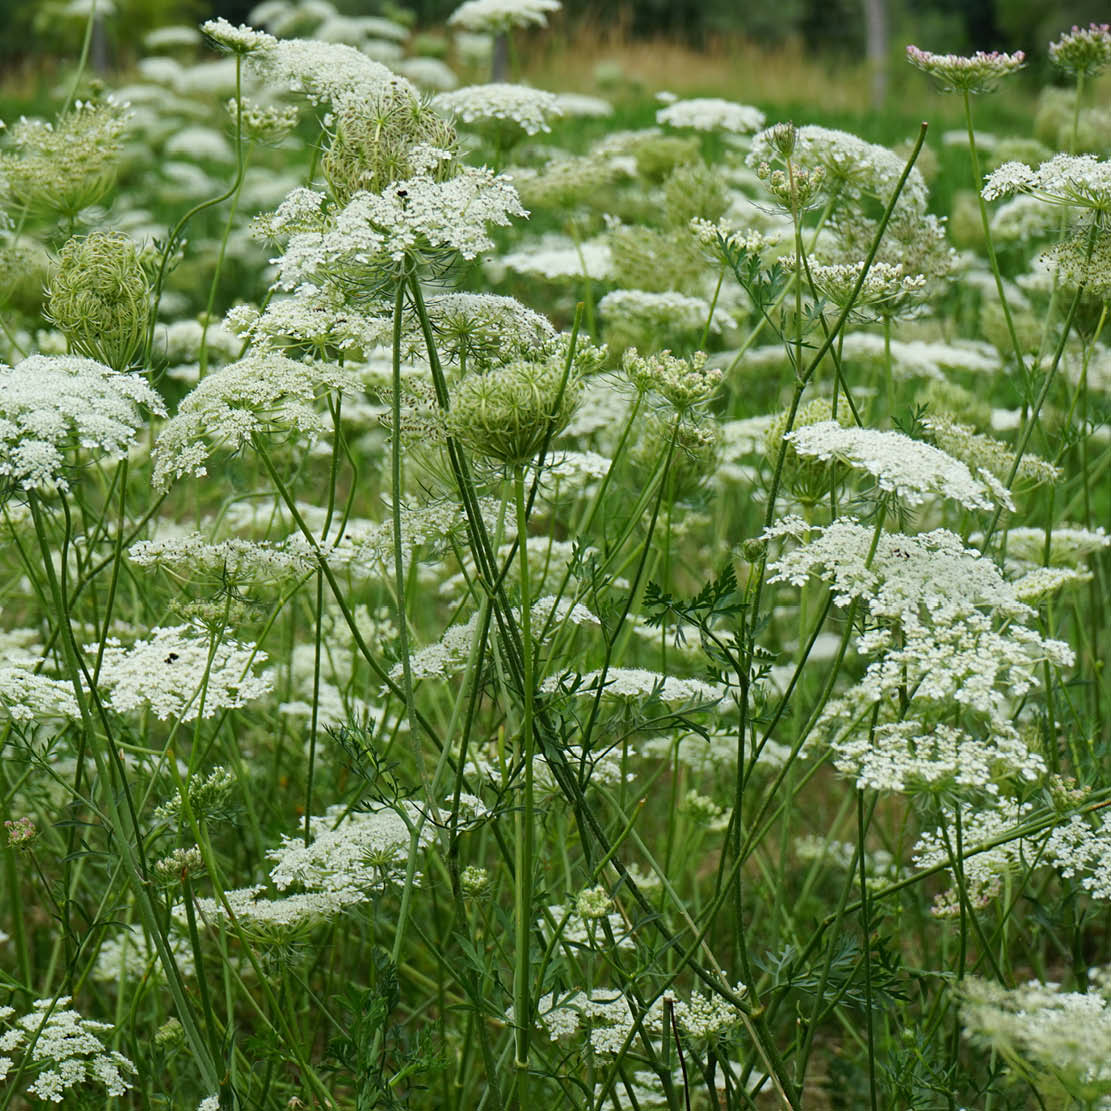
[[875, 14], [501, 57]]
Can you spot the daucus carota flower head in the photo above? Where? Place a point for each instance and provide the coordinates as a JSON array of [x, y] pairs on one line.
[[178, 672], [240, 40], [1079, 180], [634, 682], [1069, 545], [260, 394], [356, 852], [27, 697], [63, 1049], [25, 270], [903, 578], [492, 107], [502, 15], [906, 756], [886, 290], [910, 469], [263, 123], [634, 315], [988, 454], [483, 329], [852, 167], [99, 298], [712, 114], [977, 73], [1061, 1037], [325, 72], [66, 166], [419, 219], [681, 382], [52, 406], [1083, 51]]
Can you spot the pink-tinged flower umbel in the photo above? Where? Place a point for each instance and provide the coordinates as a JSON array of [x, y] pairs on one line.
[[1083, 51], [978, 73]]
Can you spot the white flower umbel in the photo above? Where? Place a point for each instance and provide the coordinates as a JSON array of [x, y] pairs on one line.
[[265, 917], [907, 755], [579, 926], [932, 574], [53, 407], [583, 106], [908, 468], [975, 73], [192, 557], [983, 871], [1069, 545], [886, 290], [26, 697], [558, 259], [64, 1049], [448, 656], [1083, 51], [666, 313], [314, 321], [1079, 180], [173, 669], [483, 328], [1058, 1037], [712, 114], [532, 110], [853, 167], [260, 394], [502, 15], [352, 854], [324, 72], [412, 217], [987, 454], [607, 1018], [1082, 848], [966, 664], [918, 358]]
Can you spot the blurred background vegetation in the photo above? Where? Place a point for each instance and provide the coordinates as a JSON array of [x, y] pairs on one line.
[[42, 27], [839, 62]]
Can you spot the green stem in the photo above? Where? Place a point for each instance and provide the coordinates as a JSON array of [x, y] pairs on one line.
[[525, 818], [83, 61], [105, 761], [989, 243]]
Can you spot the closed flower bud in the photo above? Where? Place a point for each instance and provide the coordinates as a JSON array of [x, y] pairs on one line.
[[474, 882], [100, 298], [783, 137], [170, 1033]]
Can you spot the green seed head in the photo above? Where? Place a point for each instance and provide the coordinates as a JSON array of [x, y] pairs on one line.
[[100, 298], [506, 413], [66, 166], [397, 136]]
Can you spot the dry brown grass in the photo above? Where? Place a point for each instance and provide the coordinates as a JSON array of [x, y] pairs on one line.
[[728, 66]]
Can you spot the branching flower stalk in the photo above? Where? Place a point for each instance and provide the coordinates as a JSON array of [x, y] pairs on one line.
[[989, 241], [750, 627], [124, 827], [178, 229]]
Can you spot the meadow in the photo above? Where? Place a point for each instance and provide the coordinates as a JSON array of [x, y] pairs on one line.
[[587, 590]]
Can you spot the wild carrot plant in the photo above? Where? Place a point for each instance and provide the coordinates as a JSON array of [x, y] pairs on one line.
[[490, 624]]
